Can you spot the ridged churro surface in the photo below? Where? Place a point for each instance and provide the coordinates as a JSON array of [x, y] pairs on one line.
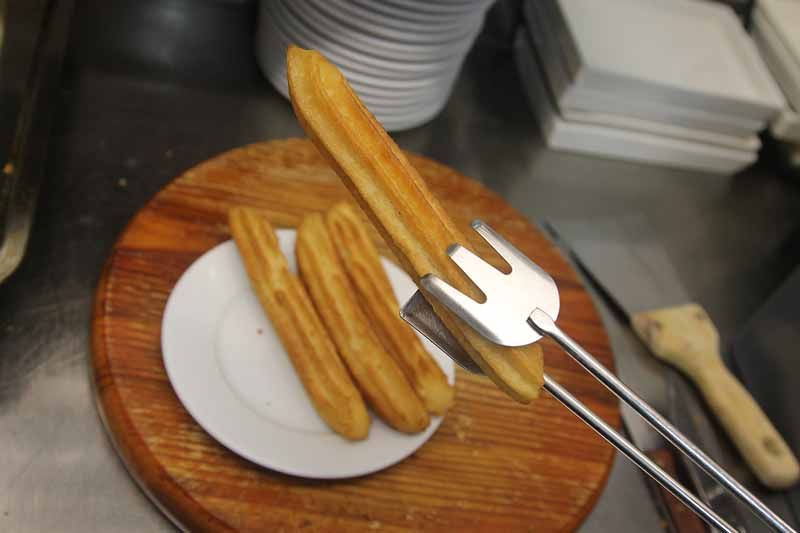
[[311, 350], [377, 375], [398, 202], [363, 264]]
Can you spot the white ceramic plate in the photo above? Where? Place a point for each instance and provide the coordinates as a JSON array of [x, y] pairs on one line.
[[390, 116], [402, 94], [787, 127], [548, 48], [687, 53], [360, 67], [600, 101], [411, 108], [439, 9], [750, 142], [614, 142], [303, 24], [620, 119], [784, 15], [342, 16], [424, 13], [369, 13], [557, 80], [230, 371], [632, 146], [367, 81], [784, 66]]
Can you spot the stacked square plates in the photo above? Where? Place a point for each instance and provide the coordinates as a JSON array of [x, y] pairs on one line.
[[400, 56], [675, 83], [776, 31]]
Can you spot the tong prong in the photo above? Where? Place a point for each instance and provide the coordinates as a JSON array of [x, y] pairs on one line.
[[501, 316], [486, 277], [455, 300], [527, 304], [505, 249]]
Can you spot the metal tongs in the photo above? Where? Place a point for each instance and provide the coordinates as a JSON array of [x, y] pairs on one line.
[[521, 308]]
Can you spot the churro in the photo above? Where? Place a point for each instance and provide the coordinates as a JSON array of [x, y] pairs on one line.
[[288, 306], [363, 264], [392, 193], [374, 371]]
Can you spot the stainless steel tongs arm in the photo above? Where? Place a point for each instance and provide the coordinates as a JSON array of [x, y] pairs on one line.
[[546, 326], [419, 313], [635, 455], [505, 318]]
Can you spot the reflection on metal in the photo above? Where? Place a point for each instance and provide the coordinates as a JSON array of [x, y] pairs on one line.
[[2, 24], [491, 320], [57, 468], [30, 73]]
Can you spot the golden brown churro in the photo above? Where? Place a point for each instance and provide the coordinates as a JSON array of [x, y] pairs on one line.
[[311, 350], [395, 197], [363, 264], [375, 372]]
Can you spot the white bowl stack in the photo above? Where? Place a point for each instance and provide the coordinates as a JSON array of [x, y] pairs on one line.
[[676, 83], [776, 31], [401, 56]]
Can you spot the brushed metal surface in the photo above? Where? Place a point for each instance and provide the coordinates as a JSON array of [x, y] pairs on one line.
[[33, 35], [425, 321], [509, 298], [626, 266], [625, 258], [154, 86]]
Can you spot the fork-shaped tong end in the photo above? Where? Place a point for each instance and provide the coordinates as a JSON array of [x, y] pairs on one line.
[[521, 307], [501, 317]]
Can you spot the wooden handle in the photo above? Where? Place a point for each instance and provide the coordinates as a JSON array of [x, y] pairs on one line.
[[757, 439], [685, 337]]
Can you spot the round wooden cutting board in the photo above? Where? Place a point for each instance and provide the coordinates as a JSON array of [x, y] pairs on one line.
[[493, 465]]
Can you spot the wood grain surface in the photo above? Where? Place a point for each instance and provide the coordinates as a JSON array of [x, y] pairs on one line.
[[493, 465]]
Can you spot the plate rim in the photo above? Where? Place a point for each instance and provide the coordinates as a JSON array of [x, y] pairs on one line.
[[224, 439]]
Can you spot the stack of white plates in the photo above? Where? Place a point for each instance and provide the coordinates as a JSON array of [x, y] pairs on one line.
[[675, 83], [400, 56], [776, 30]]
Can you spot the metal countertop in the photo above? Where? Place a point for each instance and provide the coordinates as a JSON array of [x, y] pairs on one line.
[[151, 87]]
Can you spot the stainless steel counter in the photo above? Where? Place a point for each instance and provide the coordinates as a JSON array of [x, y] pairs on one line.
[[152, 87]]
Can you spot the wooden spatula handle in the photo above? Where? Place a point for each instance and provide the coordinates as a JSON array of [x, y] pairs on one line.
[[757, 439], [685, 337]]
